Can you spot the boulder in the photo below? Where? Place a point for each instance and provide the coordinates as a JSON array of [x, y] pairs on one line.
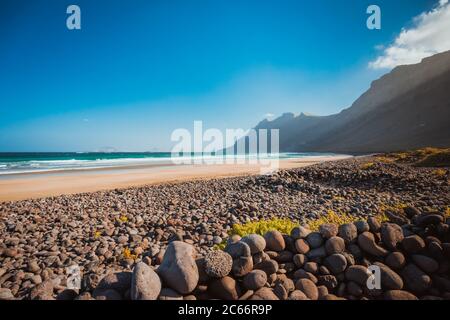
[[224, 288], [358, 274], [395, 260], [145, 283], [328, 230], [217, 264], [415, 279], [301, 246], [390, 280], [264, 294], [274, 241], [256, 243], [300, 232], [425, 263], [366, 242], [348, 232], [413, 244], [335, 245], [268, 266], [308, 288], [399, 295], [169, 294], [255, 280], [391, 235], [336, 263], [178, 268]]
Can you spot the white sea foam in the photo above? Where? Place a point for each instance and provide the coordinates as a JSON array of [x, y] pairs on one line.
[[8, 168]]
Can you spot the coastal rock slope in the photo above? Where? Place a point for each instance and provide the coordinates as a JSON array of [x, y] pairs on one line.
[[405, 109]]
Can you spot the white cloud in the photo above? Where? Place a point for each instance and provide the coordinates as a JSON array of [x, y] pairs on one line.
[[269, 115], [429, 35]]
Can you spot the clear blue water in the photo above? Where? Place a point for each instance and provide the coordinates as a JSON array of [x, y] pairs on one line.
[[11, 163]]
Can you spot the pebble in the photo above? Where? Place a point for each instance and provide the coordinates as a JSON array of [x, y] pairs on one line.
[[33, 266], [6, 294]]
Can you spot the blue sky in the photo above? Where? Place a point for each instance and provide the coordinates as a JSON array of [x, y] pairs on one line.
[[139, 69]]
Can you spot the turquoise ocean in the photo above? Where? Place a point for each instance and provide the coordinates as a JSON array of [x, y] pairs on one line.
[[14, 163]]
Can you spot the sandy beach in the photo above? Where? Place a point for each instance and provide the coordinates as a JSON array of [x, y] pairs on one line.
[[46, 184]]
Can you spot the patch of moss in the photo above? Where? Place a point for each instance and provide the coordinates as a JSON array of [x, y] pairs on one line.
[[260, 227], [367, 166], [331, 217]]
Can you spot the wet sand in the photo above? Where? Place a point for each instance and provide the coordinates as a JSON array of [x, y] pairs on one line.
[[39, 185]]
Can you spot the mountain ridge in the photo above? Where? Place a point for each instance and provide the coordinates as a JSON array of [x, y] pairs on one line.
[[406, 108]]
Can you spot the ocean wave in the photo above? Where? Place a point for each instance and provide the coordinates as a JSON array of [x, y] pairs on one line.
[[77, 164]]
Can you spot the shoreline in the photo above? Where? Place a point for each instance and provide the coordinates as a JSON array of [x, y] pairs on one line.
[[65, 182]]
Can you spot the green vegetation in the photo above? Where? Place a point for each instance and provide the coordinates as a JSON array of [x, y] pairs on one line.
[[367, 166], [426, 157], [260, 227]]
